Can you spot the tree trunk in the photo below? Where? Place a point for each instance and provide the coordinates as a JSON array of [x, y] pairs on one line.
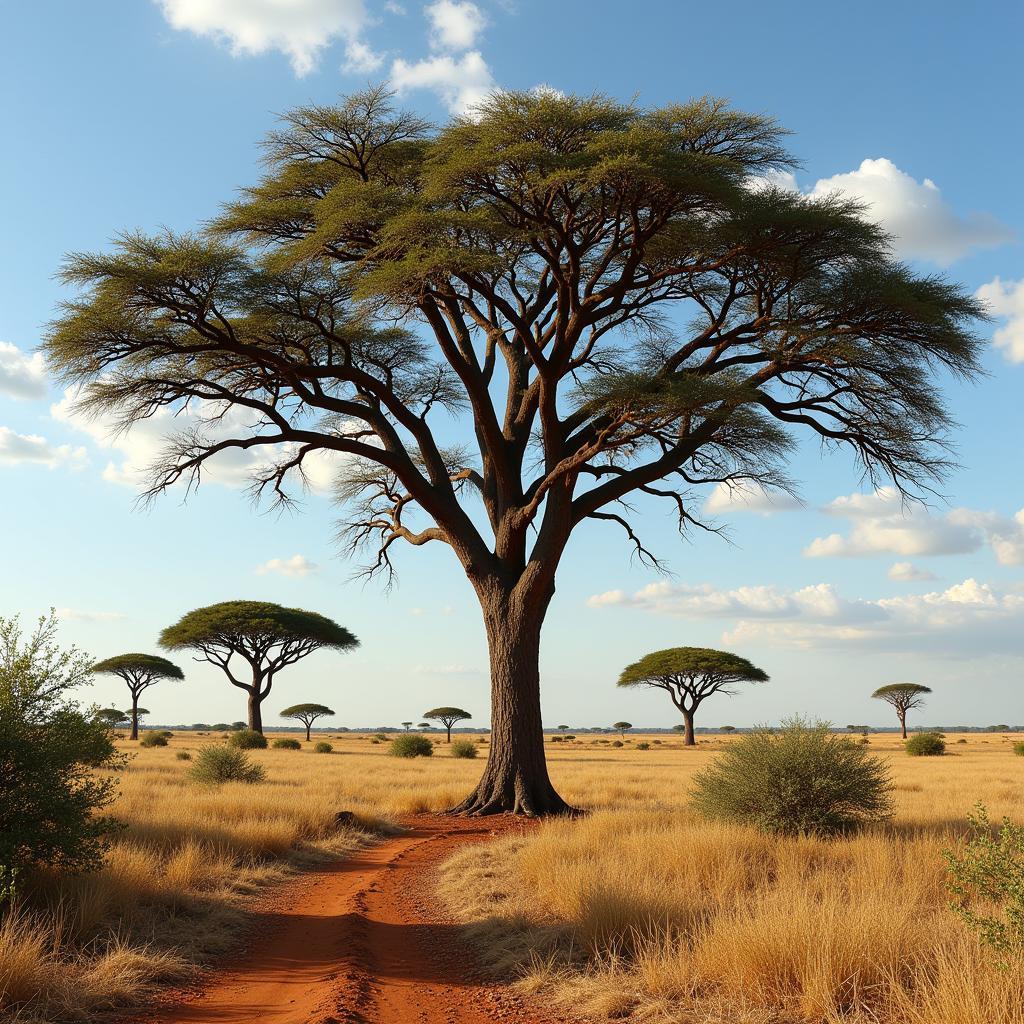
[[309, 725], [255, 713], [135, 716], [515, 778], [688, 737], [903, 725], [449, 734]]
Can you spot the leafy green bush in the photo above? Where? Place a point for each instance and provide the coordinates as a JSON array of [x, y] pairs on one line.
[[51, 795], [153, 739], [183, 755], [286, 743], [411, 744], [926, 744], [166, 732], [1018, 748], [800, 779], [988, 872], [322, 747], [247, 739], [381, 737], [214, 765], [643, 746], [463, 748]]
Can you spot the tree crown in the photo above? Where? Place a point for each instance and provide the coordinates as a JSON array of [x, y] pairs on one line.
[[446, 714], [306, 710], [901, 690], [622, 725], [691, 665], [136, 665]]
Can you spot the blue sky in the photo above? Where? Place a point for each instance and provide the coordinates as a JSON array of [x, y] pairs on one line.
[[130, 114]]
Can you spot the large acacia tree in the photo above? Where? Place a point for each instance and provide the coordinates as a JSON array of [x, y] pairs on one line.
[[139, 672], [613, 302], [903, 697], [265, 637]]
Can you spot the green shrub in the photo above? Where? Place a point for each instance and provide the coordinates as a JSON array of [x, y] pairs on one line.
[[381, 737], [643, 746], [153, 739], [411, 744], [214, 765], [286, 743], [182, 755], [1018, 748], [463, 748], [322, 747], [987, 874], [926, 744], [555, 739], [51, 796], [800, 779], [166, 732], [615, 743], [247, 739]]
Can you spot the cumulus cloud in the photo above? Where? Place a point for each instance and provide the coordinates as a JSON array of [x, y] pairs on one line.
[[360, 59], [81, 615], [923, 224], [454, 25], [880, 523], [747, 497], [461, 82], [297, 565], [300, 29], [907, 572], [18, 449], [21, 375], [1005, 299]]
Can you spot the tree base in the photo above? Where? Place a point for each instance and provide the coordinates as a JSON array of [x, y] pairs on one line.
[[514, 797]]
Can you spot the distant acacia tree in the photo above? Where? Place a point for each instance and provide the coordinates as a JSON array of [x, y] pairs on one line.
[[689, 675], [266, 638], [727, 728], [111, 717], [307, 714], [139, 671], [424, 725], [622, 728], [448, 717], [407, 726], [903, 697], [615, 300]]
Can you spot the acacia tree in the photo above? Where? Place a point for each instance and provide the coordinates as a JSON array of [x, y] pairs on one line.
[[407, 726], [111, 717], [614, 300], [903, 697], [266, 638], [448, 717], [307, 714], [622, 727], [690, 675], [140, 672]]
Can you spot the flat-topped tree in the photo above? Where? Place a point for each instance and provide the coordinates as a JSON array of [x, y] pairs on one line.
[[689, 675], [407, 726], [140, 672], [307, 714], [903, 697], [111, 717], [622, 728], [614, 300], [448, 717], [265, 637]]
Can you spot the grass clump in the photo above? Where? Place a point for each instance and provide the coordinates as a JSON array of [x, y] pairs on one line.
[[411, 744], [216, 765], [153, 739], [800, 779], [644, 745], [182, 755], [926, 744], [1018, 748], [322, 747], [286, 743], [464, 748], [247, 739]]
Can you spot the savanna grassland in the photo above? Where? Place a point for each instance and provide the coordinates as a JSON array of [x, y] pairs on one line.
[[638, 909]]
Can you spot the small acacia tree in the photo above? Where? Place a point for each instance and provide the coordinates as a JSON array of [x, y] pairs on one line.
[[112, 718], [448, 717], [307, 714], [689, 675], [616, 302], [622, 727], [139, 671], [407, 726], [903, 697], [266, 638]]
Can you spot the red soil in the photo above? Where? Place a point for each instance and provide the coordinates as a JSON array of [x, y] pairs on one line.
[[361, 941]]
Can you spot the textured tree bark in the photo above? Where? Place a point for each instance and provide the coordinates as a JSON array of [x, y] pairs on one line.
[[135, 716], [515, 778], [903, 724], [255, 712], [688, 737], [309, 725]]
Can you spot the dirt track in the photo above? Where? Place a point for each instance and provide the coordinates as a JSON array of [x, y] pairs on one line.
[[361, 941]]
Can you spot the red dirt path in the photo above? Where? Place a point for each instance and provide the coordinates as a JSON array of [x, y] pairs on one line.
[[361, 941]]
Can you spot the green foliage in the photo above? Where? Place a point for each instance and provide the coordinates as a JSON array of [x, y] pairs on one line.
[[322, 747], [138, 667], [153, 739], [182, 755], [411, 745], [51, 794], [286, 743], [380, 737], [247, 739], [986, 881], [307, 713], [926, 744], [1018, 748], [447, 716], [800, 779], [679, 664], [464, 748], [216, 765], [111, 717], [644, 745]]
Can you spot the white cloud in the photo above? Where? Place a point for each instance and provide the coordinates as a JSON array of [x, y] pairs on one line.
[[923, 224], [79, 615], [21, 375], [454, 25], [360, 59], [747, 497], [461, 82], [907, 572], [882, 524], [297, 565], [1005, 299], [300, 29], [18, 449]]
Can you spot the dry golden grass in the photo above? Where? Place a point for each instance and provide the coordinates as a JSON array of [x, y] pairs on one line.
[[641, 910]]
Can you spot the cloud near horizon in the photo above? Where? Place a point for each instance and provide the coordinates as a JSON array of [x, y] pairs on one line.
[[297, 565]]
